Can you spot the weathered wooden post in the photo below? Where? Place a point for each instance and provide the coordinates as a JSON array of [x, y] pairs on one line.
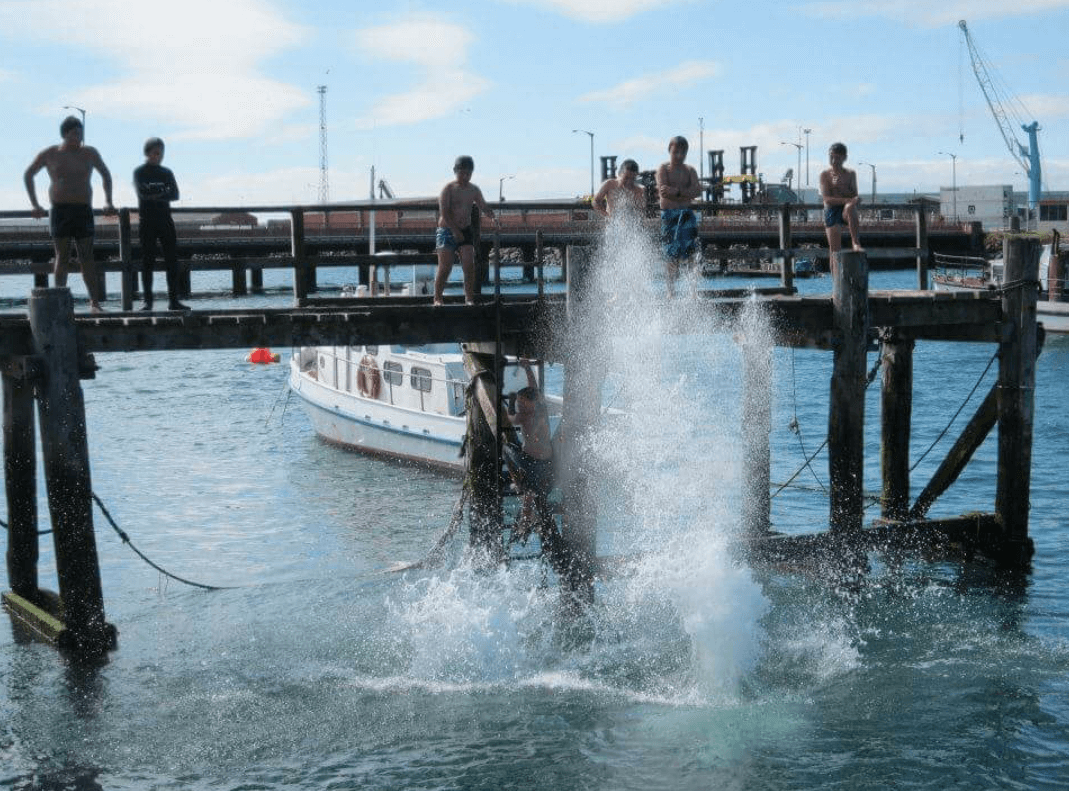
[[896, 411], [128, 279], [540, 262], [846, 414], [757, 429], [482, 462], [582, 402], [65, 448], [1016, 396], [1056, 273], [237, 280], [785, 243], [921, 220], [256, 275], [20, 478], [300, 282]]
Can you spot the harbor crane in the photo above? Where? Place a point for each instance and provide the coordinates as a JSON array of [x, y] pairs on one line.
[[997, 99]]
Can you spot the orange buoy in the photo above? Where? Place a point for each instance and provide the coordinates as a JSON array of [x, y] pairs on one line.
[[262, 356]]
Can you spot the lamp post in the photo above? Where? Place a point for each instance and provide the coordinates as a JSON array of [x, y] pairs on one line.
[[79, 109], [701, 151], [807, 131], [799, 171], [585, 132], [954, 181], [873, 180], [501, 187]]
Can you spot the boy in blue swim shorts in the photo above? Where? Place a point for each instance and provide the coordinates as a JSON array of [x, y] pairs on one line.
[[838, 189], [677, 186], [454, 237]]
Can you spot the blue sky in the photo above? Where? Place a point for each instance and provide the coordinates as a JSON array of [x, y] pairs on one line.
[[231, 86]]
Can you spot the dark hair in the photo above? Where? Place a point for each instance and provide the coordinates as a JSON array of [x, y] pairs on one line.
[[68, 124], [838, 148], [629, 164], [464, 163], [679, 140], [151, 143]]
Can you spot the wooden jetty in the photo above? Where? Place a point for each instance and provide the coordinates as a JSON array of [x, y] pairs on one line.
[[45, 354]]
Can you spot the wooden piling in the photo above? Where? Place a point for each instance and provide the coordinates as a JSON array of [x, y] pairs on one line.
[[757, 429], [128, 281], [921, 221], [300, 283], [256, 275], [846, 414], [896, 411], [482, 460], [237, 280], [787, 270], [65, 448], [583, 372], [20, 478], [1016, 396]]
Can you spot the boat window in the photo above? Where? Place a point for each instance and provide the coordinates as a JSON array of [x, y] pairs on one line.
[[421, 379], [393, 373], [372, 350]]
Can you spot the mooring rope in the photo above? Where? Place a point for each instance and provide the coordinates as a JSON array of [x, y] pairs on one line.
[[3, 524], [955, 415], [126, 540]]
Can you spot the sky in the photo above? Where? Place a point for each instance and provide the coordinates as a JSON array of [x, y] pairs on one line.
[[231, 86]]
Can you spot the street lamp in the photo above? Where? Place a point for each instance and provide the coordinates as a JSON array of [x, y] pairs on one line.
[[799, 147], [954, 183], [873, 179], [79, 109], [585, 132], [807, 131], [501, 187]]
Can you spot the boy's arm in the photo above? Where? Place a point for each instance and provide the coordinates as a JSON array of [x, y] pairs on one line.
[[532, 380], [484, 207], [600, 202], [172, 186], [105, 176], [663, 188], [31, 190], [693, 187]]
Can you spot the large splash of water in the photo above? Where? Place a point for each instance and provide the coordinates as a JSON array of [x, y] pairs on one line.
[[681, 621]]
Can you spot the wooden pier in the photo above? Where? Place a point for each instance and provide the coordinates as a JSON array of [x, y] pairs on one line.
[[44, 354]]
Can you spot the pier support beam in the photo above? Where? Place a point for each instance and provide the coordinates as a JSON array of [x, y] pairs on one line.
[[1016, 396], [896, 399], [20, 478], [483, 459], [921, 220], [128, 275], [65, 447], [583, 374], [757, 429], [846, 414], [785, 243]]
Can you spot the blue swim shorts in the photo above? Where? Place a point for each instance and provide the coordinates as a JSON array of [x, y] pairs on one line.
[[679, 233], [833, 215], [444, 239]]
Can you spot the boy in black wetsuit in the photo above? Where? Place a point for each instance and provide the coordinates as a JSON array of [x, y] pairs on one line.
[[156, 188]]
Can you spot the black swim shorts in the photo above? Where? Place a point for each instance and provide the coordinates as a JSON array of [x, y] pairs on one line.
[[71, 221]]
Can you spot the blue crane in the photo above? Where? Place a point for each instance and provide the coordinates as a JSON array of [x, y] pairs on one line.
[[997, 100]]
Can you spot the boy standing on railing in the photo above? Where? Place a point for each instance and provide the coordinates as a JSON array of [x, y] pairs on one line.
[[70, 167], [156, 188], [455, 236]]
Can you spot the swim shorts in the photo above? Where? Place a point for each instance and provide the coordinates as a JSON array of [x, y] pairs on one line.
[[537, 474], [679, 233], [71, 221], [833, 215], [444, 239]]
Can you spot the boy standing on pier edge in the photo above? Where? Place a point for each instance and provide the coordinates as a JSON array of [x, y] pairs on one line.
[[677, 186], [70, 167], [156, 188], [838, 189], [454, 235], [621, 195]]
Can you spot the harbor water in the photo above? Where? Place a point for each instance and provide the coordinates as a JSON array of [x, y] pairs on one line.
[[316, 668]]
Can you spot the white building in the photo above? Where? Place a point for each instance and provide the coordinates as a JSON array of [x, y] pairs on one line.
[[993, 206]]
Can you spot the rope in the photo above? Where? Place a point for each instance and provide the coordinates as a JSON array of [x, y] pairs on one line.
[[39, 532], [955, 415], [126, 540]]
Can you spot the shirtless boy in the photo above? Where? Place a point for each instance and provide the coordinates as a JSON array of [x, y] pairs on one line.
[[70, 167], [454, 236], [838, 189], [623, 194], [532, 463], [677, 186]]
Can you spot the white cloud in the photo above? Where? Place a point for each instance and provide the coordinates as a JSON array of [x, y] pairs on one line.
[[445, 83], [173, 64], [927, 14], [1043, 106], [640, 87], [600, 11]]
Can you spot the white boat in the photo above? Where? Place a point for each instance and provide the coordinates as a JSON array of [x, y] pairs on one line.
[[399, 402], [966, 273]]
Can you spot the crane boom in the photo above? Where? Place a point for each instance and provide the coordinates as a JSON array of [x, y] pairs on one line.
[[1026, 156]]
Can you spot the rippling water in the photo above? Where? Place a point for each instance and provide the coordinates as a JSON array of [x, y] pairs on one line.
[[320, 671]]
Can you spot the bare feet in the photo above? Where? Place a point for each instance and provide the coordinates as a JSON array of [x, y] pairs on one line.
[[437, 302], [94, 307]]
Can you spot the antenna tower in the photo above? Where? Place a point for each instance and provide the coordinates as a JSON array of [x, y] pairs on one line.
[[324, 181]]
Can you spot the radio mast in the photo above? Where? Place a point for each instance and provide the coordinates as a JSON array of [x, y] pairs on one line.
[[324, 181]]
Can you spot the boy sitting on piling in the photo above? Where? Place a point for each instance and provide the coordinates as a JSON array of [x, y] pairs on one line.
[[455, 235]]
